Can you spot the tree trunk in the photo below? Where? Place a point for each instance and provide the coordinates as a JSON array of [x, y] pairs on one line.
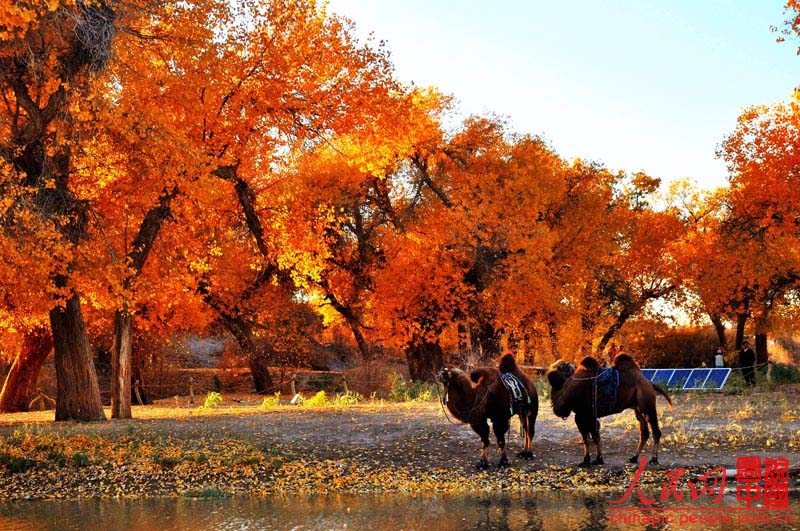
[[425, 360], [489, 340], [762, 353], [141, 397], [78, 396], [530, 352], [463, 337], [121, 363], [741, 321], [363, 346], [719, 327], [514, 343], [622, 318], [16, 393], [259, 370], [262, 379]]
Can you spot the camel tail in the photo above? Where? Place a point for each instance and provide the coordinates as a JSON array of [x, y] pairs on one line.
[[663, 393]]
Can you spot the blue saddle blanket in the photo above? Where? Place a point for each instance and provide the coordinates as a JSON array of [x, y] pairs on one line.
[[520, 399], [605, 389]]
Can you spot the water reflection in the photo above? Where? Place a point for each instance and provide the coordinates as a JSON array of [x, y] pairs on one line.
[[547, 510]]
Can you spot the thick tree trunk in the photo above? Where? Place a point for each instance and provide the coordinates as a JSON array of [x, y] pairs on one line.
[[425, 360], [741, 321], [121, 364], [762, 353], [78, 395], [262, 379], [719, 327], [16, 393], [259, 370]]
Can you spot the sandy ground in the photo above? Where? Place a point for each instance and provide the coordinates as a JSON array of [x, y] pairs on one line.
[[702, 429]]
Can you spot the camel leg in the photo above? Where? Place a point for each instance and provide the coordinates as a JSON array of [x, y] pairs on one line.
[[500, 427], [526, 421], [652, 417], [585, 426], [482, 429], [644, 434], [596, 438]]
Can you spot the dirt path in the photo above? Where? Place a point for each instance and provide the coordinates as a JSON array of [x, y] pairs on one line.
[[413, 441]]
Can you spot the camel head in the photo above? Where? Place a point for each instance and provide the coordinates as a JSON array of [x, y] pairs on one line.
[[557, 376], [558, 373], [447, 375]]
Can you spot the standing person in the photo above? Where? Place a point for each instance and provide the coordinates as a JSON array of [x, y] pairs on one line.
[[747, 361], [719, 357]]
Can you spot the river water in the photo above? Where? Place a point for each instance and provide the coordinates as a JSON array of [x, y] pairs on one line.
[[547, 510]]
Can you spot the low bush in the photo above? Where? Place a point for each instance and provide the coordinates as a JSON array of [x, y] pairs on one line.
[[271, 402], [318, 400], [213, 399], [401, 390]]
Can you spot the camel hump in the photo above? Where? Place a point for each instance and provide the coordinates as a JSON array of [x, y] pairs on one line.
[[590, 364], [508, 364], [624, 362], [483, 375]]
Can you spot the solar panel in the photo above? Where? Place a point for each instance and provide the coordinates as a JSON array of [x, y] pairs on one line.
[[679, 378], [688, 379], [697, 379], [662, 376], [717, 378]]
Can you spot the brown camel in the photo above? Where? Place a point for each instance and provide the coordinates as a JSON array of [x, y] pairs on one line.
[[487, 394], [576, 390]]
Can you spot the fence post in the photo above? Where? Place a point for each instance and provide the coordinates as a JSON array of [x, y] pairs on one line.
[[191, 389], [294, 389], [344, 381]]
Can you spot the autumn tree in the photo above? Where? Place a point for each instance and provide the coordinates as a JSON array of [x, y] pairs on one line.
[[477, 218], [270, 81], [709, 263], [48, 57], [764, 216]]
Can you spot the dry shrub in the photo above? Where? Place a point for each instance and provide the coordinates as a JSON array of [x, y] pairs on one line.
[[374, 378]]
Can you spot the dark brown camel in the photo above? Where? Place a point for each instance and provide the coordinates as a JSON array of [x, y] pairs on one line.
[[483, 396], [573, 390]]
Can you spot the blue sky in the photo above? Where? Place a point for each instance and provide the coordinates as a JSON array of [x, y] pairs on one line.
[[636, 85]]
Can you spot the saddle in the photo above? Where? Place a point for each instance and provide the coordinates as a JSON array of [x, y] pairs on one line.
[[604, 392], [520, 399]]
